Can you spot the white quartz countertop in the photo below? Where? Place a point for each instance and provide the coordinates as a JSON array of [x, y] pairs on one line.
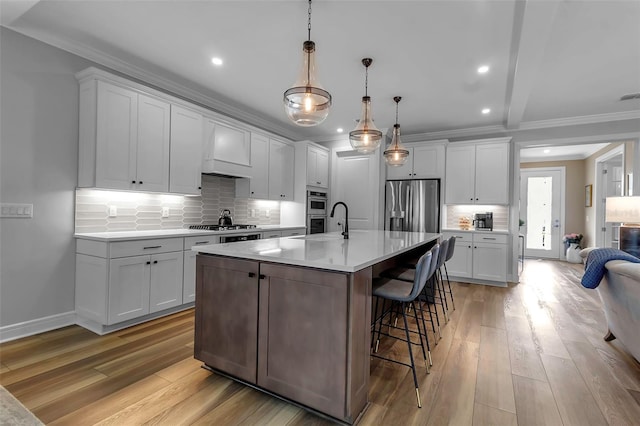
[[477, 231], [168, 233], [325, 251]]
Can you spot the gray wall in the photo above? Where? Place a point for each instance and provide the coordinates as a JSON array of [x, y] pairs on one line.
[[38, 165]]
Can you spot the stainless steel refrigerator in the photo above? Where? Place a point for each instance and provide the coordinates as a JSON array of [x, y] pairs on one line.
[[412, 205]]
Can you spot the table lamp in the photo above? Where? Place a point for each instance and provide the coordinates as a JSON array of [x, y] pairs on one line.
[[626, 210]]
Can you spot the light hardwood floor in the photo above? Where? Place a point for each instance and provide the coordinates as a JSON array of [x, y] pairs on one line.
[[530, 354]]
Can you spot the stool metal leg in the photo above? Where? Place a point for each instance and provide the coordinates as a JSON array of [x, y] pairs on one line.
[[413, 366], [449, 284]]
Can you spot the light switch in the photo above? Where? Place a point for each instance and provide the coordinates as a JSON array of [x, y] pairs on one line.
[[23, 211]]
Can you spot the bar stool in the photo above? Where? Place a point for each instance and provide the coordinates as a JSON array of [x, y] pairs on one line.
[[451, 249], [403, 294]]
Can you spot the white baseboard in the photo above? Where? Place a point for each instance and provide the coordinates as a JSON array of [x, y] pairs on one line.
[[36, 326]]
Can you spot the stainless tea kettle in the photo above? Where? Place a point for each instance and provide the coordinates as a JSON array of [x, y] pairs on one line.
[[225, 218]]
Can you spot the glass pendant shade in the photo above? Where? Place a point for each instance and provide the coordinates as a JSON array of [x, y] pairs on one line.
[[365, 137], [397, 154], [307, 103]]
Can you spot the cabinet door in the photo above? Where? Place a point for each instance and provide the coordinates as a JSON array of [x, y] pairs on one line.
[[294, 354], [490, 261], [153, 144], [281, 156], [189, 277], [317, 167], [166, 281], [186, 151], [323, 169], [461, 264], [492, 174], [404, 171], [226, 326], [428, 161], [128, 288], [116, 137], [460, 175], [312, 166], [259, 182]]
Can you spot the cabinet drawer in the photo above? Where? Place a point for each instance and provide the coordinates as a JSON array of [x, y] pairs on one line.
[[490, 238], [271, 234], [140, 247], [200, 241], [461, 237]]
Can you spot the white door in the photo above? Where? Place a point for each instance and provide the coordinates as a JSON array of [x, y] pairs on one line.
[[357, 184], [489, 261], [189, 277], [541, 192], [460, 175], [152, 155], [128, 288], [259, 183], [166, 281], [186, 151]]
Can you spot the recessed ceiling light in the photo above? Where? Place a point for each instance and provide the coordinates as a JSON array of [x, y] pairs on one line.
[[483, 69], [340, 130], [546, 151], [216, 61], [486, 110]]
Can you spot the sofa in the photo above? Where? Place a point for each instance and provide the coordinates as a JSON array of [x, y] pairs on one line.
[[619, 291]]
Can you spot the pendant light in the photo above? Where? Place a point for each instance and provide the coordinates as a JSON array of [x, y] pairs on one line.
[[397, 154], [307, 103], [365, 137]]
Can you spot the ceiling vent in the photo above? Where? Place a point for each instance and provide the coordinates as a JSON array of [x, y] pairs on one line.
[[630, 96]]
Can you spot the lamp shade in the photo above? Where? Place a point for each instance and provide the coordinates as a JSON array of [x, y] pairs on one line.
[[623, 209]]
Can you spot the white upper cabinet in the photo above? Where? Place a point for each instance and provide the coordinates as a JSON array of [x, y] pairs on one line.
[[424, 162], [317, 167], [478, 173], [227, 149], [272, 172], [153, 153], [186, 150], [124, 139], [281, 172], [259, 182]]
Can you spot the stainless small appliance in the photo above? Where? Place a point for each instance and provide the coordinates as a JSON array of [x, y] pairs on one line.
[[483, 221], [225, 218], [316, 212], [412, 205]]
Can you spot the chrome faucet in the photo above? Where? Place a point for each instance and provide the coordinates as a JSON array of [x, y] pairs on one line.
[[345, 233]]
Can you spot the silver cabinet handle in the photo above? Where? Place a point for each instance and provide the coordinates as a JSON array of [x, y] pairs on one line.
[[201, 242], [487, 238], [151, 247]]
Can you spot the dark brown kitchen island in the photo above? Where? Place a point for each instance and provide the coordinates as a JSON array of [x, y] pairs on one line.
[[291, 316]]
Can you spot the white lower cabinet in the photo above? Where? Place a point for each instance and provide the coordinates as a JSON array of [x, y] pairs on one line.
[[293, 232], [479, 256], [119, 283], [271, 234], [189, 276]]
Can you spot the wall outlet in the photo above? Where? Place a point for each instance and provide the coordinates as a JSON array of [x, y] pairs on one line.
[[24, 211], [113, 211], [267, 213], [165, 212], [252, 212]]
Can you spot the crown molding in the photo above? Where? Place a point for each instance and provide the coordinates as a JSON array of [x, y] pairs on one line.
[[160, 82], [584, 119], [581, 140], [572, 157], [453, 134]]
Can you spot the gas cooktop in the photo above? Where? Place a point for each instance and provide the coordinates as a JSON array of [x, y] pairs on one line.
[[221, 227]]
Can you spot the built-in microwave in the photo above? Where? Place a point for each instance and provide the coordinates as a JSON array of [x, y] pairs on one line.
[[316, 203]]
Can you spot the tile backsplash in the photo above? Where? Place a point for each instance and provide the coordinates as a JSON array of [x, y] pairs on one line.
[[500, 215], [136, 211]]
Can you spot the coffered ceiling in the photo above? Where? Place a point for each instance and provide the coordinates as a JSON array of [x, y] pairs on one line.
[[550, 62]]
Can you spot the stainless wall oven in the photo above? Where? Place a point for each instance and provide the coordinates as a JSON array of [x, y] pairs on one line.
[[317, 212]]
